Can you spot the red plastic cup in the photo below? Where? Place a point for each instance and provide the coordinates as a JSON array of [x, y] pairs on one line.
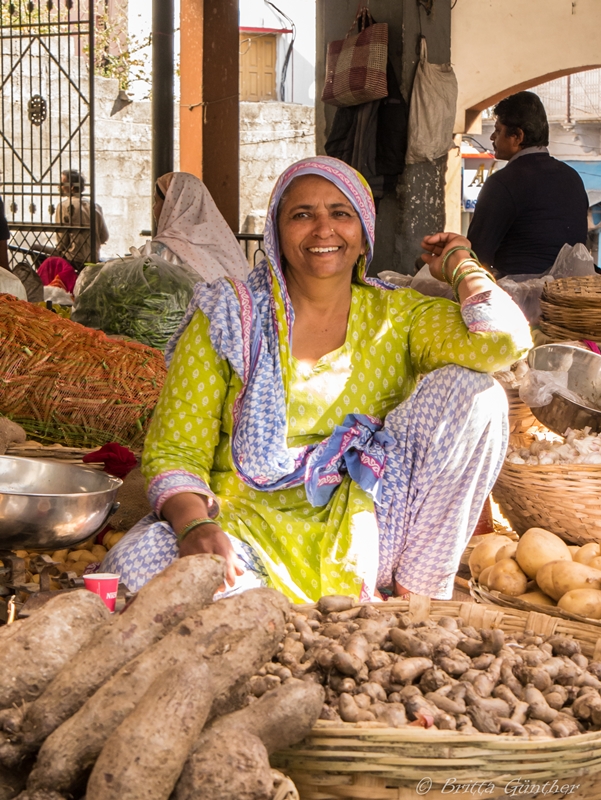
[[105, 585]]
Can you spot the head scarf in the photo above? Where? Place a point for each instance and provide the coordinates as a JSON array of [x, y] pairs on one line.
[[192, 227], [251, 327], [352, 185], [55, 267]]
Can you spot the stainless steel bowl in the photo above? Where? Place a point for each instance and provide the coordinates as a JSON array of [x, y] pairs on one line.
[[584, 378], [49, 506]]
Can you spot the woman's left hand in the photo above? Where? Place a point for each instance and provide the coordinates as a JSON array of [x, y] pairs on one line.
[[437, 245]]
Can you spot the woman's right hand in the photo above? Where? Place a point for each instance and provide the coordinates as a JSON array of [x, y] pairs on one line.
[[183, 508], [211, 539]]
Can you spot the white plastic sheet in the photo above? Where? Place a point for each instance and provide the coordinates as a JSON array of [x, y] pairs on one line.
[[10, 284]]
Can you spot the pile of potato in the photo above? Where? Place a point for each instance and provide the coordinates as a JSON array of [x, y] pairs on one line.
[[75, 559], [148, 704], [541, 569], [379, 667]]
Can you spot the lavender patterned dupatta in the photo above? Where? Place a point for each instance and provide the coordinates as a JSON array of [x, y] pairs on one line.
[[251, 326]]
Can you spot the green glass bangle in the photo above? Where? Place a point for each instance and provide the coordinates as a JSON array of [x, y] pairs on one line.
[[470, 271], [451, 251], [190, 527], [461, 265]]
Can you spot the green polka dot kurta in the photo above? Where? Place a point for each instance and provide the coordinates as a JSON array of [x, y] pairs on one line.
[[392, 338]]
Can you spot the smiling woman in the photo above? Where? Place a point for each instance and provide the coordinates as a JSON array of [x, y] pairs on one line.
[[292, 436], [321, 240]]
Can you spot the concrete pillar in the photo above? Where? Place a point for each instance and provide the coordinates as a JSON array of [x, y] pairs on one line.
[[209, 118], [453, 188], [417, 207]]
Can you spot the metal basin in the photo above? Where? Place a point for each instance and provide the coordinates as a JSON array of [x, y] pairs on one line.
[[584, 378], [49, 506]]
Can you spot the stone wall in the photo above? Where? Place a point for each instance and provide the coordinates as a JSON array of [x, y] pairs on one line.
[[123, 172], [272, 136], [281, 132]]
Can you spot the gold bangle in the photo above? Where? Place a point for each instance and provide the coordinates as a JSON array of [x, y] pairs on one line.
[[461, 264], [449, 253]]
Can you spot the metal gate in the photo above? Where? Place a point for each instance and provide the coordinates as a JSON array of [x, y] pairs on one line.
[[47, 128]]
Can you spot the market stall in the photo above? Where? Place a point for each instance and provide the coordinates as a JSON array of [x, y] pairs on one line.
[[250, 697]]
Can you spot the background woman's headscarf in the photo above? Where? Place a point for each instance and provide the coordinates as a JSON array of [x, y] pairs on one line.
[[56, 267], [192, 227]]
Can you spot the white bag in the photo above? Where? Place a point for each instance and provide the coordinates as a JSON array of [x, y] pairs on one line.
[[432, 110], [10, 284]]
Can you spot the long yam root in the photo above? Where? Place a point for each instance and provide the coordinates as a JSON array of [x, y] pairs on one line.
[[144, 757], [45, 642], [185, 586], [235, 637], [279, 719]]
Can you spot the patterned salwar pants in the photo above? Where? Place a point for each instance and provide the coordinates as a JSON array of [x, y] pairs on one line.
[[451, 436]]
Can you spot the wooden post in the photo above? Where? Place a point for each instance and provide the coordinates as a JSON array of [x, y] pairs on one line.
[[209, 114]]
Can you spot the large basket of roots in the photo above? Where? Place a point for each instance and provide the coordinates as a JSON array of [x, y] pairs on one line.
[[424, 697], [67, 384], [180, 698]]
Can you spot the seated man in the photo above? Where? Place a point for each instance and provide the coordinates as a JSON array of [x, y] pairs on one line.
[[74, 246], [526, 212]]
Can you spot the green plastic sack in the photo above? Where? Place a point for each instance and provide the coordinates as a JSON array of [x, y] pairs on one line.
[[143, 298]]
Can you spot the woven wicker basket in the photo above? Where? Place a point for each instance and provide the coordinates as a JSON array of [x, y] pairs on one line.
[[484, 595], [577, 292], [585, 321], [572, 305], [374, 763], [54, 452], [558, 334], [564, 499], [520, 416]]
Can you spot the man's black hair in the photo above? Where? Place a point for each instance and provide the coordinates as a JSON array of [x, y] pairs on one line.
[[75, 179], [524, 111]]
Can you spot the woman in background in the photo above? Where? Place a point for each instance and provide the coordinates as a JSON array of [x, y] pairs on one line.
[[190, 226]]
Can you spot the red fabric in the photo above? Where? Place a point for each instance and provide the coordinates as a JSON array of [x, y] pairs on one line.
[[118, 461], [55, 267], [593, 346]]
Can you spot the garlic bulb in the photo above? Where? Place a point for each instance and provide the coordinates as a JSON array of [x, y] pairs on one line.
[[511, 377], [578, 447]]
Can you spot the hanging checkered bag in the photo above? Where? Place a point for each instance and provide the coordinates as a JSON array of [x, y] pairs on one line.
[[356, 65]]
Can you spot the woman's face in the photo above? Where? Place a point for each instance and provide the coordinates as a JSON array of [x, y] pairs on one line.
[[320, 232]]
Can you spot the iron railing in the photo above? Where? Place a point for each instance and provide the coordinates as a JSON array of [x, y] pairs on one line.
[[252, 244], [47, 127]]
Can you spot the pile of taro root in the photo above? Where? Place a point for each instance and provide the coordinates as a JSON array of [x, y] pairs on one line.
[[378, 666], [179, 697], [149, 704]]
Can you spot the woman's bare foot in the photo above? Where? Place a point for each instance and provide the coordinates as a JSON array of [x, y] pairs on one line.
[[401, 592]]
